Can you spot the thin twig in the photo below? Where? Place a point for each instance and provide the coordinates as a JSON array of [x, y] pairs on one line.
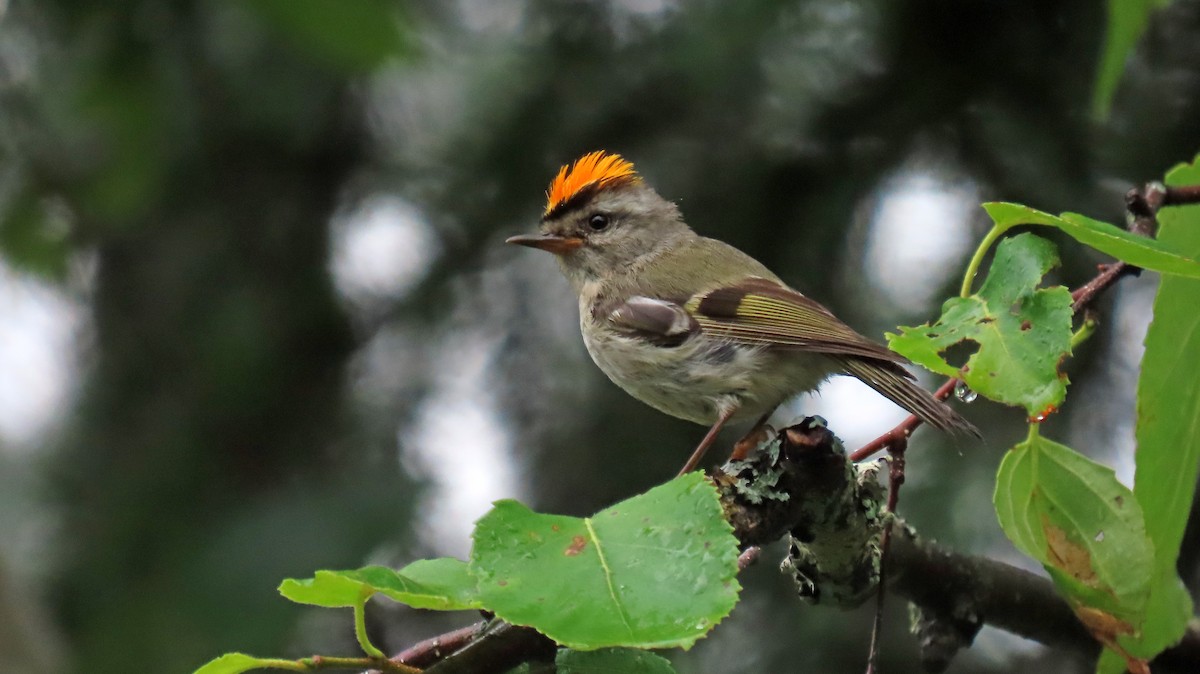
[[903, 430], [499, 647], [1142, 206], [1109, 274], [895, 480], [748, 557], [318, 662], [1181, 196], [425, 653]]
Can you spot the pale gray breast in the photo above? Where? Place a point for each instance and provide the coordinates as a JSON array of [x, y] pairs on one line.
[[694, 380]]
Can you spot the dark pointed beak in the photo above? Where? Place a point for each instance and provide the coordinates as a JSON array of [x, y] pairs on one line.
[[559, 245]]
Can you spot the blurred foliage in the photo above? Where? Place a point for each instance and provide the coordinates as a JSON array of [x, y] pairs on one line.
[[1127, 20], [200, 161], [193, 155], [348, 36]]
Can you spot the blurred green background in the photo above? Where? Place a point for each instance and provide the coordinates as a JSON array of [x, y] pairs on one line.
[[256, 317]]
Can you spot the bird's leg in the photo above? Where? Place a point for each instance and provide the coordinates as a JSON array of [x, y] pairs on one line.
[[752, 439], [702, 448]]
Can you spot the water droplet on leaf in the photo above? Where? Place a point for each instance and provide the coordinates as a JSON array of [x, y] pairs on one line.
[[964, 392]]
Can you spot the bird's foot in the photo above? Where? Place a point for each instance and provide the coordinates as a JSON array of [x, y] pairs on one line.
[[757, 435]]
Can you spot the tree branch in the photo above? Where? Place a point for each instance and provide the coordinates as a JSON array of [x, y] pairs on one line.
[[804, 485], [427, 652], [498, 649], [961, 592]]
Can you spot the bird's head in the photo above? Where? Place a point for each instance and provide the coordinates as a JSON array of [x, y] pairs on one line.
[[600, 218]]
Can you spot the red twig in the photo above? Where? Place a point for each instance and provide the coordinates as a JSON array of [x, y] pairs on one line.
[[748, 557], [1143, 208], [425, 653], [1142, 205], [905, 428], [1109, 274], [1180, 196]]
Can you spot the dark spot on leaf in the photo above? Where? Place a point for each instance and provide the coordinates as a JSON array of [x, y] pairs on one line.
[[1067, 555], [934, 335], [707, 544], [578, 543], [1106, 627], [1119, 500], [986, 319], [502, 583], [555, 527], [1025, 325]]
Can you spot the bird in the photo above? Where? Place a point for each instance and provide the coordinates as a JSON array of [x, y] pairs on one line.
[[692, 326]]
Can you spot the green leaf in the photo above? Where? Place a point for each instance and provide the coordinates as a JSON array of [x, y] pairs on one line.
[[1126, 21], [353, 36], [611, 661], [325, 588], [34, 238], [1110, 662], [439, 584], [235, 663], [131, 106], [1022, 333], [1084, 526], [1168, 452], [1153, 254], [655, 571]]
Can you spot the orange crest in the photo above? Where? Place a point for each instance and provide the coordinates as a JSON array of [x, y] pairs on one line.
[[594, 168]]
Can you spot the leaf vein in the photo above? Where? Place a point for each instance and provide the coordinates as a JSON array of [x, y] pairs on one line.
[[612, 590]]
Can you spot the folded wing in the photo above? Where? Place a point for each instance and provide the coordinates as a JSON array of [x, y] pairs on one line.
[[762, 312]]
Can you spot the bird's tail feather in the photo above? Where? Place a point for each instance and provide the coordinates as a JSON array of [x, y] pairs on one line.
[[897, 386]]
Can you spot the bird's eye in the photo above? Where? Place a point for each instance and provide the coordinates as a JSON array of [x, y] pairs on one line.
[[598, 222]]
